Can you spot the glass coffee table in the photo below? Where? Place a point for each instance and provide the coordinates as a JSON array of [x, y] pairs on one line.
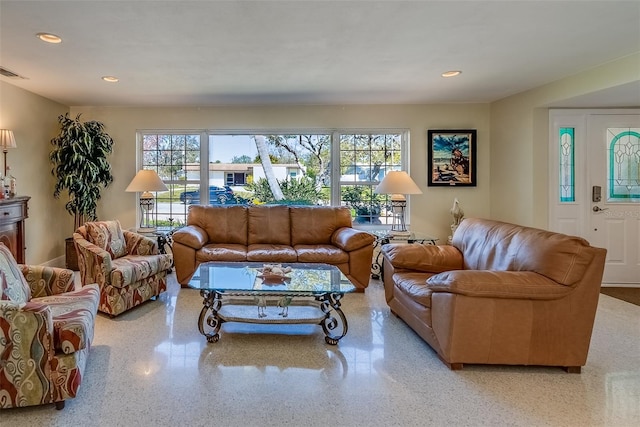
[[238, 292]]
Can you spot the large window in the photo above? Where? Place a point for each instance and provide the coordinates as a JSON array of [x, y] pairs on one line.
[[320, 168]]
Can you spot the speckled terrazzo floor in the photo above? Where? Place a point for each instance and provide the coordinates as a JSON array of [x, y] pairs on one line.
[[151, 366]]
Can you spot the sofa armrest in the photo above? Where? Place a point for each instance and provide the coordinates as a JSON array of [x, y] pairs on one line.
[[33, 323], [427, 258], [94, 262], [44, 280], [137, 244], [191, 236], [89, 249], [349, 239], [498, 284]]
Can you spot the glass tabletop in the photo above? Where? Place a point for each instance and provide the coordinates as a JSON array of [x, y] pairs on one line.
[[248, 277], [412, 235]]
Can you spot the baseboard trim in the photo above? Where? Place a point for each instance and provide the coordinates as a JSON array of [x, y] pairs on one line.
[[621, 285]]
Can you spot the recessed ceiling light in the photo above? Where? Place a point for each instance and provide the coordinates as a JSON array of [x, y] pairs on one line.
[[451, 73], [49, 38], [110, 79]]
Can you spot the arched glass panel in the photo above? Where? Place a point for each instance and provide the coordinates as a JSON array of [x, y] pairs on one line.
[[623, 159]]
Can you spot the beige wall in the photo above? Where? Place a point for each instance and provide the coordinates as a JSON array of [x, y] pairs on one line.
[[519, 184], [429, 211], [33, 120]]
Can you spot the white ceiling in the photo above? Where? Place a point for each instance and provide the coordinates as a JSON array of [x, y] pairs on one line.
[[197, 53]]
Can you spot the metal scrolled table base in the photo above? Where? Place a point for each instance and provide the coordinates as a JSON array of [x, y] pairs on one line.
[[326, 306]]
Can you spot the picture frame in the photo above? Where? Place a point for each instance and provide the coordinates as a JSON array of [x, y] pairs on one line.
[[451, 157]]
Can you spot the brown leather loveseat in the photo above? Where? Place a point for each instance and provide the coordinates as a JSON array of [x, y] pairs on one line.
[[273, 233], [500, 294]]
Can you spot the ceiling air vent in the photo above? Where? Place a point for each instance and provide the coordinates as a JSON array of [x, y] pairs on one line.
[[10, 74]]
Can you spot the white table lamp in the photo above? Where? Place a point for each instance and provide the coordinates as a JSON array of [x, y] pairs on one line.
[[144, 182], [398, 183]]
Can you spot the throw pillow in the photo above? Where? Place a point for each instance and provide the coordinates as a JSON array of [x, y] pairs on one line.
[[107, 235], [13, 285]]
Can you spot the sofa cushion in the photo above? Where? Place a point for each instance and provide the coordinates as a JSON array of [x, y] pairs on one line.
[[311, 225], [327, 254], [107, 235], [498, 284], [494, 245], [269, 224], [133, 268], [13, 285], [413, 284], [222, 252], [223, 224], [271, 253], [73, 316]]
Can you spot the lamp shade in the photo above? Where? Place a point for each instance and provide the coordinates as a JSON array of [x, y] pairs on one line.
[[7, 140], [146, 180], [397, 182]]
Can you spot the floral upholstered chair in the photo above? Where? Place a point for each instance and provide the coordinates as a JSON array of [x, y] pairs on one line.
[[126, 265], [46, 329]]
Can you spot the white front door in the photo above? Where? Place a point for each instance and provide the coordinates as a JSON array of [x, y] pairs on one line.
[[604, 207], [613, 163]]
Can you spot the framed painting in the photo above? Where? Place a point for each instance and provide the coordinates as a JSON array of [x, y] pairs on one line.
[[452, 157]]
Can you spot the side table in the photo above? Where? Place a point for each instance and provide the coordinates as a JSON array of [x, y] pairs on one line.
[[382, 237], [164, 237]]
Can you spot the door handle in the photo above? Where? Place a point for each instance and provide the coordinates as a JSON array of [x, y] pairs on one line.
[[599, 209]]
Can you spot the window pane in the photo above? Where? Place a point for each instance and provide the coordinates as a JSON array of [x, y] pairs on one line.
[[364, 160], [567, 167], [623, 160], [169, 155], [300, 164]]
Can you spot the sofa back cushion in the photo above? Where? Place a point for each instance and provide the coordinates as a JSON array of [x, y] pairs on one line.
[[223, 224], [493, 245], [13, 285], [311, 225], [269, 224], [107, 235]]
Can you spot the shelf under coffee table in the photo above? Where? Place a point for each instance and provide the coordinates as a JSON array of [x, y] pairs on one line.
[[235, 292]]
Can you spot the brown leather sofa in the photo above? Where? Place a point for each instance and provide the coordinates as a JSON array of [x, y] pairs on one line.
[[273, 233], [500, 294]]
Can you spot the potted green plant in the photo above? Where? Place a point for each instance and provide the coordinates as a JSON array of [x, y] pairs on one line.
[[81, 168]]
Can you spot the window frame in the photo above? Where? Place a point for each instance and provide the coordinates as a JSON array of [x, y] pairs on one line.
[[333, 133]]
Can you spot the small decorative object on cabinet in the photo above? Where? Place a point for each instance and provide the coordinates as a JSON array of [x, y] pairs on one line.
[[13, 212]]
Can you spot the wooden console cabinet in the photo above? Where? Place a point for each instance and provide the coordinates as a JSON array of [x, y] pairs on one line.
[[13, 212]]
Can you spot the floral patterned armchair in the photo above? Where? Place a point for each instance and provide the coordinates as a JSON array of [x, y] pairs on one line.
[[126, 265], [46, 329]]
